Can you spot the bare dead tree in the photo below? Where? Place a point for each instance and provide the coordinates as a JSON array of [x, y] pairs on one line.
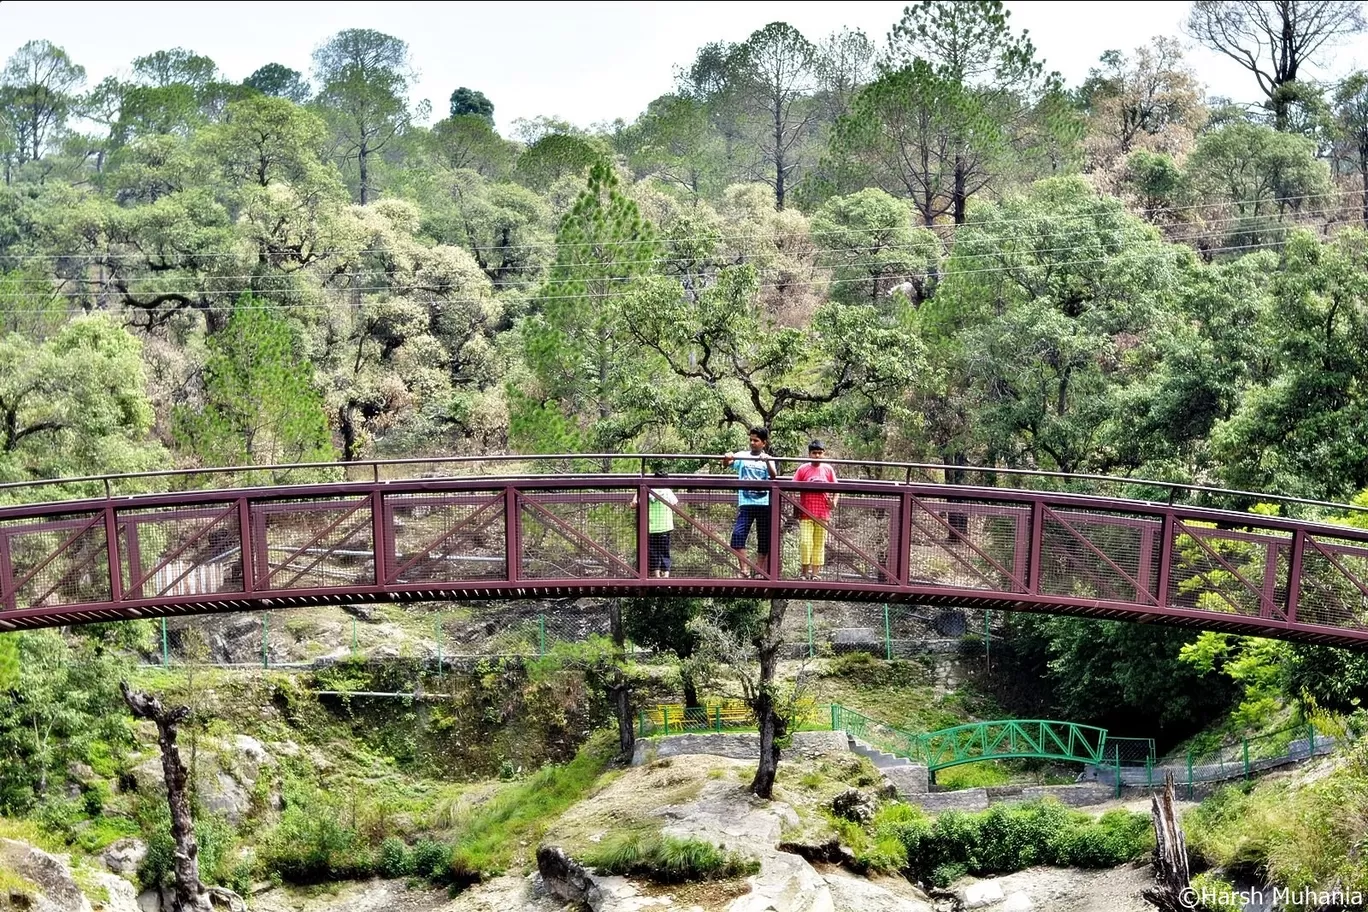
[[1172, 890], [190, 894], [1273, 39]]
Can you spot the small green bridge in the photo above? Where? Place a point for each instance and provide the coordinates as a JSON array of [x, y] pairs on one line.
[[1008, 739]]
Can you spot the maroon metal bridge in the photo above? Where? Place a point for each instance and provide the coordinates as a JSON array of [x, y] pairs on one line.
[[481, 536]]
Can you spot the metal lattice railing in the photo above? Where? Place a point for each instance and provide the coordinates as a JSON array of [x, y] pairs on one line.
[[1007, 739], [484, 537]]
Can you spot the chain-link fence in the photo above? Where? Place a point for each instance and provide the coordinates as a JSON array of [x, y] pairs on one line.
[[1233, 759], [442, 632]]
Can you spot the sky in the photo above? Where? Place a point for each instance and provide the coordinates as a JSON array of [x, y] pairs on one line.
[[584, 62]]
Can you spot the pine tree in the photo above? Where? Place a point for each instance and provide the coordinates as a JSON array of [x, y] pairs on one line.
[[578, 355]]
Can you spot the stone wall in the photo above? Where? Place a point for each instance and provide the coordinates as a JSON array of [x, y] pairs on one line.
[[738, 746], [911, 780], [977, 799]]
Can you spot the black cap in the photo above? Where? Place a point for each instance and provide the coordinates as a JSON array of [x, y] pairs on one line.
[[815, 445]]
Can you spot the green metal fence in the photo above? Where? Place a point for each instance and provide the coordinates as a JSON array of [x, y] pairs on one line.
[[1006, 739]]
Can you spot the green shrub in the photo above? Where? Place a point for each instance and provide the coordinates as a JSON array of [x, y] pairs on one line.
[[849, 662], [394, 858], [311, 845], [667, 859], [1009, 838], [430, 859]]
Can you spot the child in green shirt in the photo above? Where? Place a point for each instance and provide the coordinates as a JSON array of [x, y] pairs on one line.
[[659, 525]]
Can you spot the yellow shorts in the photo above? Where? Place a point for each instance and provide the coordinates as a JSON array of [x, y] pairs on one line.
[[811, 543]]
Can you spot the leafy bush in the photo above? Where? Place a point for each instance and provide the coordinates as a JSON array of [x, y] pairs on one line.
[[394, 858], [311, 845], [667, 859], [430, 859], [1008, 838]]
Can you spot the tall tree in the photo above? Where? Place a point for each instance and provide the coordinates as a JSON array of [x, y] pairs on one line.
[[869, 242], [468, 141], [364, 77], [575, 347], [1257, 175], [279, 81], [845, 63], [75, 405], [260, 405], [1001, 91], [1351, 116], [675, 141], [1299, 431], [175, 67], [971, 41], [742, 369], [38, 87], [1150, 100], [922, 135], [469, 101], [775, 73], [1274, 39]]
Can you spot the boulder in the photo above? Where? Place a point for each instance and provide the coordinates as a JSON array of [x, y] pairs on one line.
[[124, 856], [51, 874], [1017, 902], [867, 896], [980, 893], [222, 794], [121, 895], [854, 805], [562, 876]]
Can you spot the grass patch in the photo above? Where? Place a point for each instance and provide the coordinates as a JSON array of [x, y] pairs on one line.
[[14, 887], [1305, 837], [667, 859], [898, 692], [973, 775], [493, 833]]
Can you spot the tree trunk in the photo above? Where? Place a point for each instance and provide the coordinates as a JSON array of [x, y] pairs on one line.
[[1172, 890], [772, 726], [960, 195], [190, 895], [1363, 174], [778, 158], [690, 690], [362, 162], [621, 691]]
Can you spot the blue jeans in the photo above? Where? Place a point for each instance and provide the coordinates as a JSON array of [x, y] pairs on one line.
[[746, 515]]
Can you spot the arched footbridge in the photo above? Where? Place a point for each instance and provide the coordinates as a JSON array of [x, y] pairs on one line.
[[509, 528], [975, 742]]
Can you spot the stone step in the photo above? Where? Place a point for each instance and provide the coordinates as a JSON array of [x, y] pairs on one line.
[[881, 759]]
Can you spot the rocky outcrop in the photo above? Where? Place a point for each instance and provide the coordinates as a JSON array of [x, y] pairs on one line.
[[1056, 889], [49, 874], [567, 879], [124, 856], [854, 805], [738, 746], [225, 776], [725, 814]]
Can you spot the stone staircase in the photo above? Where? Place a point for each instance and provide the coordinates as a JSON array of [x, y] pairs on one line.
[[910, 779], [881, 759]]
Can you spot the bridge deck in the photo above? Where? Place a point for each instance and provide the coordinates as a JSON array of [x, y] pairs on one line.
[[487, 537]]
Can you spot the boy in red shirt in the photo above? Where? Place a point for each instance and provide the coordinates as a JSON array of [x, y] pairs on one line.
[[814, 506]]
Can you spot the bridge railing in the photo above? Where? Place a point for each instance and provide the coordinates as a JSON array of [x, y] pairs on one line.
[[486, 537], [202, 478]]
